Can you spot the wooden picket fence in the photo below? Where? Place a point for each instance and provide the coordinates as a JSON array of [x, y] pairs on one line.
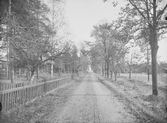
[[5, 86], [9, 85], [17, 96]]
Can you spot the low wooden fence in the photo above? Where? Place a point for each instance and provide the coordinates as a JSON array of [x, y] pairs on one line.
[[8, 85], [11, 98], [5, 86]]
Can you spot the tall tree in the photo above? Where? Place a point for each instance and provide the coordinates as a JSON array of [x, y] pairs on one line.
[[143, 42], [150, 12], [110, 44], [101, 34], [29, 43]]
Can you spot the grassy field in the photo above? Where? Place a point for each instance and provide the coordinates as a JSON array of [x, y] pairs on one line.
[[162, 78]]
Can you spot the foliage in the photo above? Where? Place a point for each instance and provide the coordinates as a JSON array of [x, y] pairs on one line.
[[110, 47], [150, 15], [33, 43]]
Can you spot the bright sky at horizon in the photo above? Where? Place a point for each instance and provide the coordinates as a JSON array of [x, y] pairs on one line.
[[84, 14]]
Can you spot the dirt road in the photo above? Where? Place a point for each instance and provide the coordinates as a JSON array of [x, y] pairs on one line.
[[92, 99], [92, 102]]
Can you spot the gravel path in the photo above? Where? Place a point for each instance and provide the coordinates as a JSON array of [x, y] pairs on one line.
[[92, 102], [86, 100]]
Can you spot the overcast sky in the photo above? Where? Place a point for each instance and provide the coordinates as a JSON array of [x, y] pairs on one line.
[[83, 14]]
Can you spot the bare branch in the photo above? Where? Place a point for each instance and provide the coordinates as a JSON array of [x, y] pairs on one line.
[[162, 27], [161, 12], [148, 16], [133, 4]]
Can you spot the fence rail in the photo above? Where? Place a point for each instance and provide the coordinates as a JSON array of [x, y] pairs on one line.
[[8, 85], [5, 86], [20, 95]]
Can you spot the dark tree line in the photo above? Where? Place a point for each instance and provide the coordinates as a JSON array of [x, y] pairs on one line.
[[31, 37]]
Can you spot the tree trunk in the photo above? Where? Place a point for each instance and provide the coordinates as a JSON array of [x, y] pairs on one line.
[[27, 74], [102, 70], [115, 73], [37, 71], [148, 72], [130, 72], [12, 74], [154, 49], [20, 75], [32, 75], [130, 67], [51, 70], [7, 71], [107, 68], [111, 73]]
